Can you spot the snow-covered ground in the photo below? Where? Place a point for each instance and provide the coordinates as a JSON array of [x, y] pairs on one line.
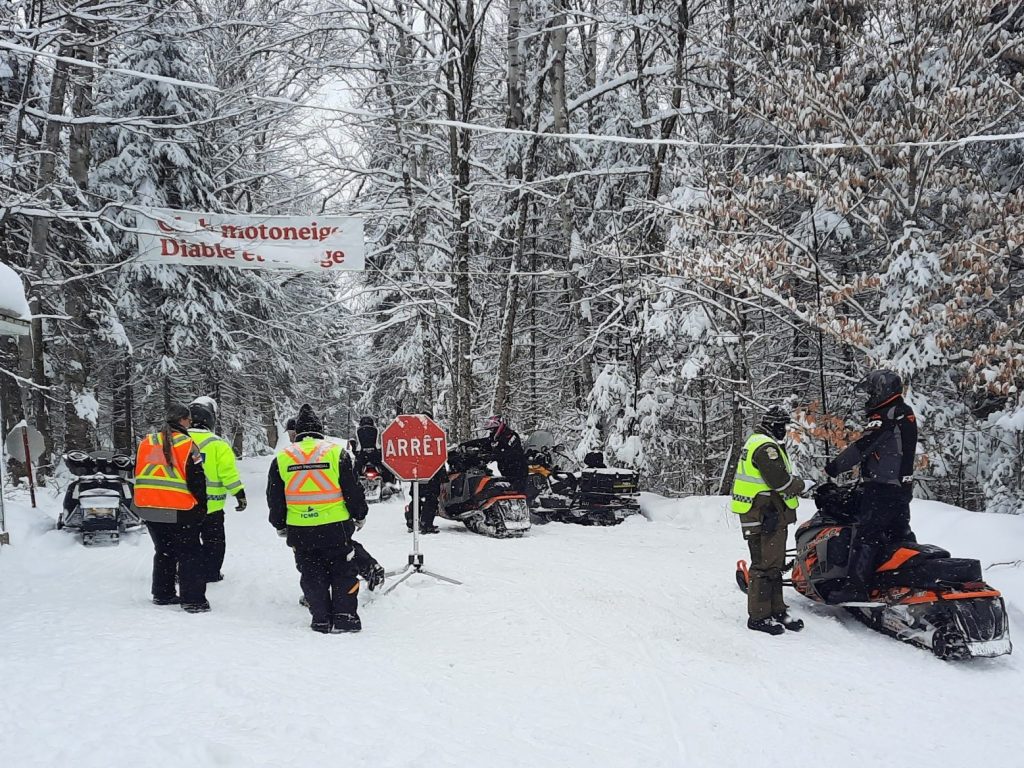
[[616, 647]]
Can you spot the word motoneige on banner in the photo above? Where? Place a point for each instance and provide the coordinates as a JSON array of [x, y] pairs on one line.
[[243, 241]]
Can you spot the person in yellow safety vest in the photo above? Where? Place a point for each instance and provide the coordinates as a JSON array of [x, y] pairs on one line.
[[222, 478], [170, 495], [317, 502], [764, 493]]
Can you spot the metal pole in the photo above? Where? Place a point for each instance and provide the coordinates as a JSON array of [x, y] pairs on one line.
[[4, 536], [416, 521], [28, 466]]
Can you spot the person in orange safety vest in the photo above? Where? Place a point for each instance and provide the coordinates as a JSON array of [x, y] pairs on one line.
[[170, 495]]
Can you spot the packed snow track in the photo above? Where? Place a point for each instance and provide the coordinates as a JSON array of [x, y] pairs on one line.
[[574, 646]]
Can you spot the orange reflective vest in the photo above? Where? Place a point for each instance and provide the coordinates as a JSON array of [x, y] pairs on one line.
[[312, 491], [157, 485]]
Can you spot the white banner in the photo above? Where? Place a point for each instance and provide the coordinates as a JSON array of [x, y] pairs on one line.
[[248, 241]]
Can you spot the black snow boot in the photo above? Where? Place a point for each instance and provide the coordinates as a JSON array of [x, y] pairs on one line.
[[430, 529], [793, 625], [346, 622], [769, 626], [375, 576], [324, 627], [212, 579], [202, 607], [172, 600]]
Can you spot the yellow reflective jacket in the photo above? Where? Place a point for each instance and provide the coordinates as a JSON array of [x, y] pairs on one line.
[[221, 469]]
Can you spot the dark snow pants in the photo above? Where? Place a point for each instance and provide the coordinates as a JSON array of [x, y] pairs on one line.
[[767, 560], [214, 544], [883, 520], [428, 508], [328, 580], [178, 551]]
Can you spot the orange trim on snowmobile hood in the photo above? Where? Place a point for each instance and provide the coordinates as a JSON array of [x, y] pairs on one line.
[[899, 557], [483, 481]]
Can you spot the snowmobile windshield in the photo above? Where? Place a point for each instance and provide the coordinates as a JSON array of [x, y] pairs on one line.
[[541, 439]]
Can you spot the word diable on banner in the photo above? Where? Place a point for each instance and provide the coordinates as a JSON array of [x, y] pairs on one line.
[[250, 242]]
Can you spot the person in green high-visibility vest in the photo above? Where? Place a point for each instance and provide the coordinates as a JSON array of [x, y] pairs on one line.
[[764, 494], [316, 501], [222, 480]]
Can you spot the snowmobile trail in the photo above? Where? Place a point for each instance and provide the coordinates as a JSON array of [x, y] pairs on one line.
[[573, 646]]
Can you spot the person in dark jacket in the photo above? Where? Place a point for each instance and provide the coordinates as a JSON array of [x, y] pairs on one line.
[[367, 450], [316, 501], [503, 445], [174, 511], [430, 499], [885, 454]]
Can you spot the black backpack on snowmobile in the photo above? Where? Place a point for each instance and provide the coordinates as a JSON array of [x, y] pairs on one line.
[[918, 593], [98, 502], [485, 504], [592, 496]]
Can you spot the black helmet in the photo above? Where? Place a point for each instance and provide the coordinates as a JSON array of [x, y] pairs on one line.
[[366, 421], [881, 387], [202, 416], [774, 422]]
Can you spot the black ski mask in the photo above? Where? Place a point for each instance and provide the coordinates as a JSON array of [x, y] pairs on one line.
[[775, 421]]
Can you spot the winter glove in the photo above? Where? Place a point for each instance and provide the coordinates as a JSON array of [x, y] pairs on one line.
[[241, 501], [375, 577], [360, 523], [830, 469], [770, 521]]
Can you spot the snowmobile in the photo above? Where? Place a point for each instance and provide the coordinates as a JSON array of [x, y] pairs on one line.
[[592, 496], [918, 594], [485, 504], [97, 504], [374, 486]]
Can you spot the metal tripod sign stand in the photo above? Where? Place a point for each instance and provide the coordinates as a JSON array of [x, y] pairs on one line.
[[415, 564], [415, 448]]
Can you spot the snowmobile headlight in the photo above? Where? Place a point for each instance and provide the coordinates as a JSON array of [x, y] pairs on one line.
[[100, 511]]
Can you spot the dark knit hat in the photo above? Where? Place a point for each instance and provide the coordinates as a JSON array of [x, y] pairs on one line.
[[176, 413], [308, 423]]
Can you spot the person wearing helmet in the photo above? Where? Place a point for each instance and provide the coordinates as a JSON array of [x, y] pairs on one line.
[[222, 479], [367, 450], [885, 454], [503, 445], [764, 493]]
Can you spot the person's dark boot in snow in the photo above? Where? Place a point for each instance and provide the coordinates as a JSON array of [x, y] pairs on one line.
[[790, 623], [323, 627], [172, 600], [769, 626], [200, 607], [346, 622], [430, 529]]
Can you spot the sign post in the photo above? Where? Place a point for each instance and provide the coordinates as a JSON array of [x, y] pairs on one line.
[[26, 444], [415, 448]]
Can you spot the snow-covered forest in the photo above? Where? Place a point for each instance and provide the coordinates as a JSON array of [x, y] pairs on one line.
[[636, 223]]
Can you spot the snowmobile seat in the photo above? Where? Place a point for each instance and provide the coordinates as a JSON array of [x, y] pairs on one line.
[[901, 552], [929, 573], [598, 483]]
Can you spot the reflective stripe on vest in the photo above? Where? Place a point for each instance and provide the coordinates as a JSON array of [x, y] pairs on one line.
[[157, 484], [749, 483], [312, 491]]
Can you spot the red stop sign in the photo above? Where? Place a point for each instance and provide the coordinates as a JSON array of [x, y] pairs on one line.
[[414, 447]]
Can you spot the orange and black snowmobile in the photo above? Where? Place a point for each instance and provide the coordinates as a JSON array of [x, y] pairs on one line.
[[484, 503], [918, 593]]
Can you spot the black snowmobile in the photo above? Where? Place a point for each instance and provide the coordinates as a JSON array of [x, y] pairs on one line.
[[596, 495], [97, 504], [485, 504], [374, 486], [918, 594]]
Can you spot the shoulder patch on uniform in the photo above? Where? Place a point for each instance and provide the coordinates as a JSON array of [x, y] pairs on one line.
[[772, 452]]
